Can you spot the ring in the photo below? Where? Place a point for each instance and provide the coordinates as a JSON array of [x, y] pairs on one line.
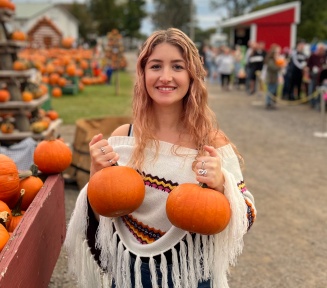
[[202, 172], [202, 166], [103, 150], [110, 161]]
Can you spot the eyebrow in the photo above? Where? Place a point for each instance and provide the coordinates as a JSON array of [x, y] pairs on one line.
[[173, 61]]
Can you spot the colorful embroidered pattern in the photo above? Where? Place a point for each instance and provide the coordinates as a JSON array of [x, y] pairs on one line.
[[241, 186], [158, 183], [143, 233], [250, 213]]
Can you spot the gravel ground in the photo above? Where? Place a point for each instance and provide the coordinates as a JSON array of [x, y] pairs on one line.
[[285, 169]]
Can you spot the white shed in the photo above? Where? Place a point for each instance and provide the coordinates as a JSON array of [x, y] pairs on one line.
[[45, 23]]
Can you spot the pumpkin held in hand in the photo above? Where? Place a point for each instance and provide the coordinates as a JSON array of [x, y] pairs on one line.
[[115, 191], [52, 156], [195, 209]]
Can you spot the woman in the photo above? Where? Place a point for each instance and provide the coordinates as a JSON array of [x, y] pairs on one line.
[[174, 139]]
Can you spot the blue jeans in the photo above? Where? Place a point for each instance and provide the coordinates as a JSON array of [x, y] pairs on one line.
[[272, 91], [146, 276]]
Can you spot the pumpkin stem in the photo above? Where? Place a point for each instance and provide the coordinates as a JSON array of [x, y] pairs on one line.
[[24, 174], [4, 218], [17, 211], [203, 185], [34, 169]]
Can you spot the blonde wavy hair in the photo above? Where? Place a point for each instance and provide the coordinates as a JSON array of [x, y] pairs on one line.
[[197, 118]]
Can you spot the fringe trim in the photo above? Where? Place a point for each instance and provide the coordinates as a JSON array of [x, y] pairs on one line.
[[199, 259]]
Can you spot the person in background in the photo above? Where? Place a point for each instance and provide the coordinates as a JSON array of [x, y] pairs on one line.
[[238, 57], [256, 60], [225, 67], [248, 53], [174, 139], [294, 73], [317, 62], [273, 69]]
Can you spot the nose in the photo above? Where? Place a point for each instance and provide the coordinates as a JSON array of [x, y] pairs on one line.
[[166, 76]]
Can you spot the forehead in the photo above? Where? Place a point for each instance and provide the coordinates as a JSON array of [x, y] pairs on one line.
[[166, 51]]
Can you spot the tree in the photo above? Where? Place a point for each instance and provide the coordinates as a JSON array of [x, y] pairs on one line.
[[172, 13], [234, 7], [134, 12]]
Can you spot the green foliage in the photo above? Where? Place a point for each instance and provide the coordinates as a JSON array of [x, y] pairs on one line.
[[235, 7], [172, 13], [133, 12], [97, 101]]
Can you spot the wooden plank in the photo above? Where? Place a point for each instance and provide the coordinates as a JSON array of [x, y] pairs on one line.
[[21, 105], [31, 254]]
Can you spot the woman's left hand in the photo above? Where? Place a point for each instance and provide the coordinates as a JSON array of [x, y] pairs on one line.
[[208, 169]]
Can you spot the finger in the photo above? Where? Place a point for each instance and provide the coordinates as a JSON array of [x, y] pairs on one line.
[[211, 150], [96, 139]]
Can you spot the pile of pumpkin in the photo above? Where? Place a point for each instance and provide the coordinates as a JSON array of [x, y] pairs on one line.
[[19, 188], [39, 120]]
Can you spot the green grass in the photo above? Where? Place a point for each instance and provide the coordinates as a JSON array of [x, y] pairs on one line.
[[97, 101]]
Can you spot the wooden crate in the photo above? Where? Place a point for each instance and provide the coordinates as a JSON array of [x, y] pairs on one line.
[[31, 254]]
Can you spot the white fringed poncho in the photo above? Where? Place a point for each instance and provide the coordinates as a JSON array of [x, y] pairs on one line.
[[147, 232]]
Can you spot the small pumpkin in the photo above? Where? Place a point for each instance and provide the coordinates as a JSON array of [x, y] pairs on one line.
[[52, 114], [115, 191], [4, 95], [52, 156], [38, 127], [27, 96], [18, 35], [32, 186], [196, 209], [5, 208], [4, 234], [7, 127], [56, 92], [9, 181], [17, 213]]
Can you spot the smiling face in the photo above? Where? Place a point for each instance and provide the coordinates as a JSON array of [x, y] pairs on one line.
[[166, 77]]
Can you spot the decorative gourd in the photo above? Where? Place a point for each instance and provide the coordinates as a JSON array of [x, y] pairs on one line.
[[115, 191], [52, 156], [16, 213], [196, 209], [4, 234], [5, 208], [32, 186], [7, 127], [9, 181]]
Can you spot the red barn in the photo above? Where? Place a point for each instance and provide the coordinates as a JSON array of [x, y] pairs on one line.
[[277, 24]]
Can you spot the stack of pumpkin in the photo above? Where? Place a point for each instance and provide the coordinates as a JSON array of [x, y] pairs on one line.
[[18, 189]]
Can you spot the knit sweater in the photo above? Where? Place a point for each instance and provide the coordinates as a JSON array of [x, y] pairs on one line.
[[147, 232]]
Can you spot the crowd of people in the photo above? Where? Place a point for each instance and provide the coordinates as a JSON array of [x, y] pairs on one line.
[[297, 72]]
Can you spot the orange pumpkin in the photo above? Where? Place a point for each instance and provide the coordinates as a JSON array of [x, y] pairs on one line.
[[32, 186], [67, 42], [16, 213], [52, 156], [200, 210], [4, 95], [111, 196], [4, 234], [71, 70], [5, 208], [19, 65], [54, 78], [280, 61], [9, 181], [27, 96], [56, 92], [18, 35], [52, 114], [7, 127]]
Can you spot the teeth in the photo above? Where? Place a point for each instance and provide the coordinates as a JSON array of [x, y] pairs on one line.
[[166, 88]]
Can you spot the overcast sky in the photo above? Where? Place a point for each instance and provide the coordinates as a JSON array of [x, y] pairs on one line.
[[206, 17]]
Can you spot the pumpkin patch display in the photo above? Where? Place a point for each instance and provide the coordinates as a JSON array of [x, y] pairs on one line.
[[32, 185], [52, 156], [196, 209], [9, 181], [115, 191]]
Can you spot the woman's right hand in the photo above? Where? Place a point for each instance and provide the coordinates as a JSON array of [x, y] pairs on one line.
[[101, 153]]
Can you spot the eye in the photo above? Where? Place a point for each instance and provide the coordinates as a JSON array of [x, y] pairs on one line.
[[178, 67], [155, 67]]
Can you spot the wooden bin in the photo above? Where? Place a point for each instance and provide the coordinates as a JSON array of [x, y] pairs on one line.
[[85, 130], [32, 251]]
